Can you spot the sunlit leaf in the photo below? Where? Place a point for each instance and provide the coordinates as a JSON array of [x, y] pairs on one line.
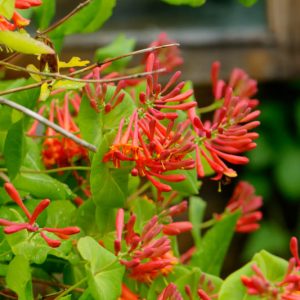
[[104, 271], [14, 148], [23, 43], [7, 8], [18, 278], [193, 3], [73, 62]]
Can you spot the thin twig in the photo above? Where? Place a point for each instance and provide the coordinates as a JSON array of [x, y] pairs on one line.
[[25, 87], [56, 284], [146, 50], [46, 122], [60, 76], [7, 296], [65, 18]]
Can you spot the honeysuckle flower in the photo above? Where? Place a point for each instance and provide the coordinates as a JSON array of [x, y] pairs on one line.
[[97, 92], [148, 254], [287, 289], [127, 294], [17, 20], [176, 228], [154, 149], [245, 200], [59, 150], [169, 58], [11, 227], [155, 99], [226, 137], [170, 292]]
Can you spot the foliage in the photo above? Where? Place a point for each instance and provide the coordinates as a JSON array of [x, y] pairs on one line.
[[100, 162]]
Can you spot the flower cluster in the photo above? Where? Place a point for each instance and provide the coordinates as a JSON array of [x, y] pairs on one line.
[[149, 254], [17, 20], [155, 146], [205, 291], [244, 200], [157, 142], [227, 136], [59, 150], [31, 226], [286, 289]]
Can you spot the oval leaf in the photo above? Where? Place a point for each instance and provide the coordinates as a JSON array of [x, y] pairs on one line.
[[23, 43]]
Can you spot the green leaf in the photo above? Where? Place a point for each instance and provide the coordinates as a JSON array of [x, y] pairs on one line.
[[7, 8], [18, 278], [104, 272], [189, 186], [89, 122], [44, 14], [232, 287], [105, 218], [214, 246], [108, 185], [248, 3], [196, 213], [23, 43], [85, 212], [273, 267], [60, 213], [119, 46], [88, 19], [193, 3], [287, 173], [42, 186], [14, 148]]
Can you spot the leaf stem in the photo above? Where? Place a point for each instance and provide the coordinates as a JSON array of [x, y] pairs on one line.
[[211, 107], [142, 189], [48, 123], [208, 223], [71, 288], [25, 87], [65, 18], [55, 170], [60, 76], [56, 284], [146, 50]]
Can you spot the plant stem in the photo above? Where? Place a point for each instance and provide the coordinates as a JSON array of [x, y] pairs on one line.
[[71, 288], [56, 284], [60, 76], [208, 223], [55, 170], [211, 107], [65, 18], [139, 191], [23, 88], [146, 50], [48, 123]]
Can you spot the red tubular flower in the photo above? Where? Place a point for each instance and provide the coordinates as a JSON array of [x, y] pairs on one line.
[[287, 289], [58, 150], [17, 20], [31, 226], [154, 148], [244, 199], [127, 294], [170, 293], [24, 4], [227, 136], [147, 254], [119, 228], [169, 58], [176, 228]]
